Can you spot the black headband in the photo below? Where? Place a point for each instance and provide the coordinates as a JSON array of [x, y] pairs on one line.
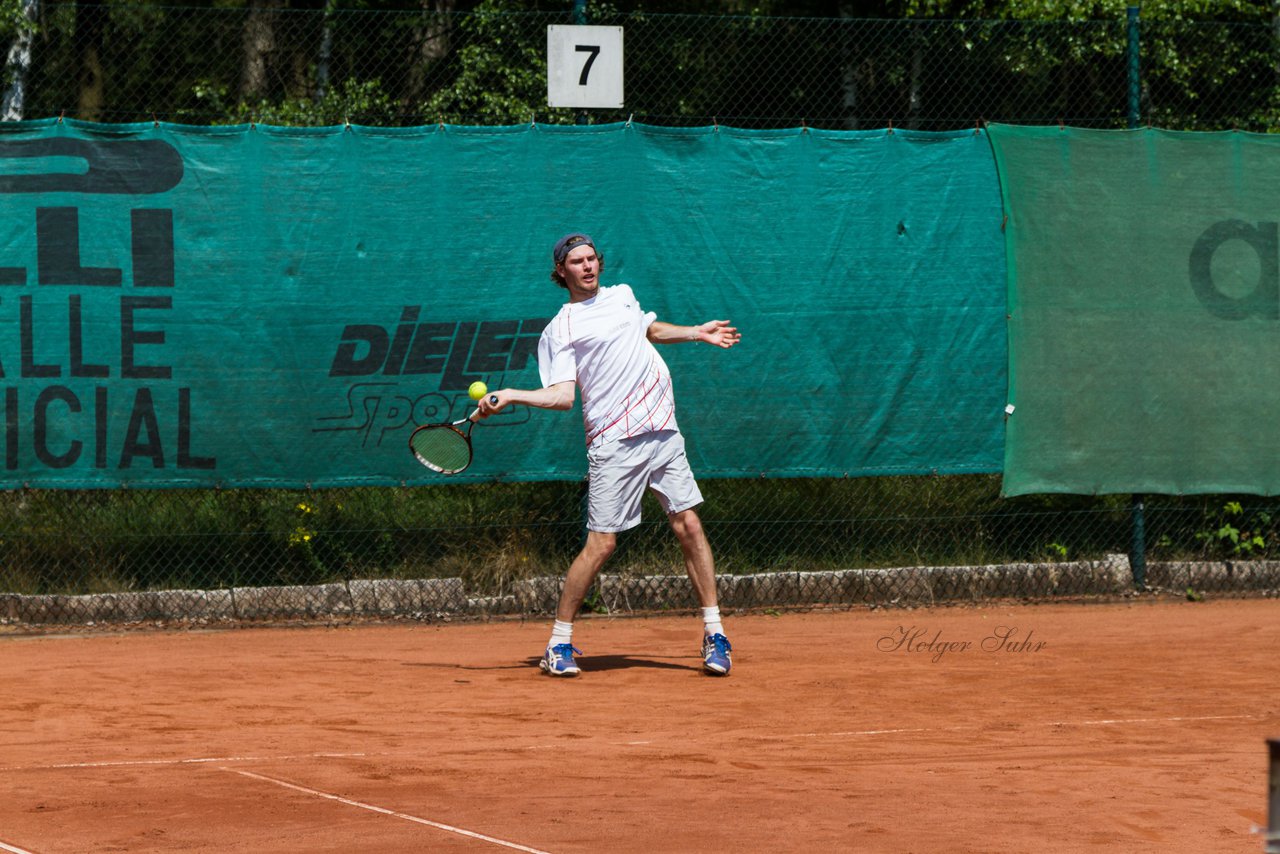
[[568, 243]]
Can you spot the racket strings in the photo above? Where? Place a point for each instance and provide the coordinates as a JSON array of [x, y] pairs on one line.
[[442, 448]]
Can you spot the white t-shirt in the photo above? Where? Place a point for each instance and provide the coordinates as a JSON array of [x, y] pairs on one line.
[[602, 345]]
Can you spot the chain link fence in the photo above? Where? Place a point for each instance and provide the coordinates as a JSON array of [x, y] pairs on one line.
[[139, 61], [494, 549], [122, 556]]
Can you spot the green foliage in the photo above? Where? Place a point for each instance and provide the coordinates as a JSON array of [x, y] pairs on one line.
[[1214, 528], [593, 602], [491, 535], [501, 74], [1083, 10], [350, 101], [14, 20], [1227, 536], [1056, 551], [943, 64]]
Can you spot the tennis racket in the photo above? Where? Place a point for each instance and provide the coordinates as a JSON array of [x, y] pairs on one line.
[[445, 447]]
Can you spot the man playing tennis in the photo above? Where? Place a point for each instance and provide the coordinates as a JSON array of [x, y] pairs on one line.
[[602, 343]]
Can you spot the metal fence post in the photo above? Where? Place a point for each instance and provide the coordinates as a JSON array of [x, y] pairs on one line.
[[1138, 548], [1273, 797], [1135, 82], [580, 18]]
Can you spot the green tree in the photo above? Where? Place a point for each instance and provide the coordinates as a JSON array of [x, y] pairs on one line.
[[18, 24], [501, 71], [932, 64]]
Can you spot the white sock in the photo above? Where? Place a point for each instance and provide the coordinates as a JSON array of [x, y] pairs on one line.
[[711, 620], [561, 632]]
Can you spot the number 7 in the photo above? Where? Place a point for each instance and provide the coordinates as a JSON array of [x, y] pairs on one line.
[[594, 50]]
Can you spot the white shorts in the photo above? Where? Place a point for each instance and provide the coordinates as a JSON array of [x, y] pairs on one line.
[[618, 473]]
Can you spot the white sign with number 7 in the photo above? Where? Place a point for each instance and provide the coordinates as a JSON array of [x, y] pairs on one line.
[[584, 66]]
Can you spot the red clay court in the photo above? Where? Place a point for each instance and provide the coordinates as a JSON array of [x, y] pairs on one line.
[[1135, 726]]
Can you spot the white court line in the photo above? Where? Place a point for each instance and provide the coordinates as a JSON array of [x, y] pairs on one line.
[[13, 849], [1103, 722], [385, 811], [853, 732]]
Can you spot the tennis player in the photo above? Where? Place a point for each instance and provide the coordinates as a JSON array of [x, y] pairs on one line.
[[601, 342]]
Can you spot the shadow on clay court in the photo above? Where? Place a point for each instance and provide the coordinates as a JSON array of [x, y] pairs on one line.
[[594, 663], [440, 665]]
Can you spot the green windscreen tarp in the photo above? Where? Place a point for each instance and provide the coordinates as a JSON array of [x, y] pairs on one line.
[[1144, 332], [251, 306]]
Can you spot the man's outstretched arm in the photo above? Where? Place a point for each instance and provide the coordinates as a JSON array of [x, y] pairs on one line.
[[717, 332], [558, 396]]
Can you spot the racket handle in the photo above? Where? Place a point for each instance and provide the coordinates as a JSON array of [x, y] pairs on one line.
[[475, 416]]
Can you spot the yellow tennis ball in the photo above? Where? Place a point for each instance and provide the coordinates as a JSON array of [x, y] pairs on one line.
[[477, 390]]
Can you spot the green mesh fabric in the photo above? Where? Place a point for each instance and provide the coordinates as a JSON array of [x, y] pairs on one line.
[[1144, 310], [257, 306]]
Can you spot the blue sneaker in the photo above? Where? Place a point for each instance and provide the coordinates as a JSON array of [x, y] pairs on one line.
[[716, 651], [558, 660]]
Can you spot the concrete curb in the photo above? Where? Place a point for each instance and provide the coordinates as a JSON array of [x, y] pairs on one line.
[[425, 597]]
